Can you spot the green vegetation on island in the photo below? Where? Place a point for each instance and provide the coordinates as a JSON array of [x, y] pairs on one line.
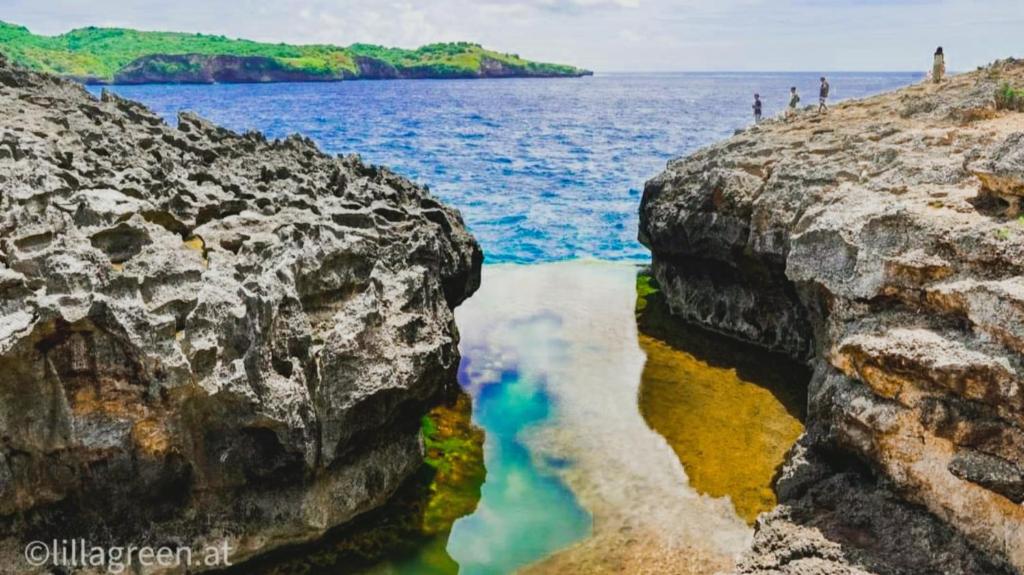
[[115, 55]]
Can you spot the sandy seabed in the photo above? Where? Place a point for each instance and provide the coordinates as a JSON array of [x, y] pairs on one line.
[[572, 325]]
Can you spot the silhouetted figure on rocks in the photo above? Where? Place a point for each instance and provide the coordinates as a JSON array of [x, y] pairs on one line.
[[938, 66], [757, 108], [823, 95]]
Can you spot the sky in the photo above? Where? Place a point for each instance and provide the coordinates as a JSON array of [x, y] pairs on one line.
[[602, 35]]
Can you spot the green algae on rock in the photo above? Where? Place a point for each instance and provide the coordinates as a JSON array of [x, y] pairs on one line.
[[730, 420], [455, 452], [409, 534]]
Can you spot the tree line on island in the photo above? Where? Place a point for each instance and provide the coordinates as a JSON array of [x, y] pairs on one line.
[[125, 56]]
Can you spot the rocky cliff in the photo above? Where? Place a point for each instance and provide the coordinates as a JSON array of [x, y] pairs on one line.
[[227, 69], [212, 69], [208, 336], [880, 243]]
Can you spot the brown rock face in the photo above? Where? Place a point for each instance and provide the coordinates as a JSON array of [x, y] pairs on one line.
[[210, 69], [227, 69], [880, 241], [207, 336]]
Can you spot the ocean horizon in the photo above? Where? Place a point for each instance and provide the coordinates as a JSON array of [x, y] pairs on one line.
[[542, 169]]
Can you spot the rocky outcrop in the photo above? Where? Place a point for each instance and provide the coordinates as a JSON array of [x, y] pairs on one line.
[[880, 243], [213, 69], [377, 69], [207, 336], [838, 519], [1001, 173], [229, 69]]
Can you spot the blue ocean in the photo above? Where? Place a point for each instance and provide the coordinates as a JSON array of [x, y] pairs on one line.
[[542, 169]]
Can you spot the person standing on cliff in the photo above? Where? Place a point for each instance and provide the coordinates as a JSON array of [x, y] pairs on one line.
[[794, 99], [757, 108], [938, 66], [823, 96]]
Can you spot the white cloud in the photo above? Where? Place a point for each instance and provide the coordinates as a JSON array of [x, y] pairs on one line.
[[577, 5]]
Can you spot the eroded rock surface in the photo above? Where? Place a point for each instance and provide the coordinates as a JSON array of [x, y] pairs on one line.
[[207, 335], [881, 243]]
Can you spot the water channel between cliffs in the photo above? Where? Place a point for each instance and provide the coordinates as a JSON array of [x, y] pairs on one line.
[[617, 439], [608, 448]]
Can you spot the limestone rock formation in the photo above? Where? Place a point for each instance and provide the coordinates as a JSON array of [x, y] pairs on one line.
[[881, 243], [1001, 172], [208, 336]]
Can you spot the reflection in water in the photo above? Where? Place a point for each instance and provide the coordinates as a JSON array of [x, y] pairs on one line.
[[454, 452], [730, 412], [526, 511], [553, 364]]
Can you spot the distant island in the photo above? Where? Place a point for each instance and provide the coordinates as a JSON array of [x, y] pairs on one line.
[[125, 56]]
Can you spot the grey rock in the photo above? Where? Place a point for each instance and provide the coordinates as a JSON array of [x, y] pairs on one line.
[[844, 522], [992, 472], [208, 336], [1001, 172], [861, 242]]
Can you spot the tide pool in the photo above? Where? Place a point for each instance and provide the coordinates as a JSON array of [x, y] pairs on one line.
[[577, 482], [614, 442]]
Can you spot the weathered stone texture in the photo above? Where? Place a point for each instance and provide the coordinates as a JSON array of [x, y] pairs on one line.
[[207, 335], [880, 242]]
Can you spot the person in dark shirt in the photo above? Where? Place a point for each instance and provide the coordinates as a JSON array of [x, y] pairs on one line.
[[757, 108], [794, 100], [823, 96]]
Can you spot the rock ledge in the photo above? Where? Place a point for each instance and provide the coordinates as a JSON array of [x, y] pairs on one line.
[[881, 244], [207, 336]]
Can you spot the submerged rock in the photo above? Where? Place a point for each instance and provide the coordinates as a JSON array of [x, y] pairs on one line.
[[730, 411], [207, 336], [879, 242]]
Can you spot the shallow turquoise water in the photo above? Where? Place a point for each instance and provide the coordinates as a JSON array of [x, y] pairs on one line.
[[525, 511]]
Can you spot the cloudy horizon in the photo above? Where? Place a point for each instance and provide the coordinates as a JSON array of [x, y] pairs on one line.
[[602, 35]]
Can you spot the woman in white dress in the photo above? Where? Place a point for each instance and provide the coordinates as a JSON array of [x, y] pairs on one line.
[[938, 66]]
